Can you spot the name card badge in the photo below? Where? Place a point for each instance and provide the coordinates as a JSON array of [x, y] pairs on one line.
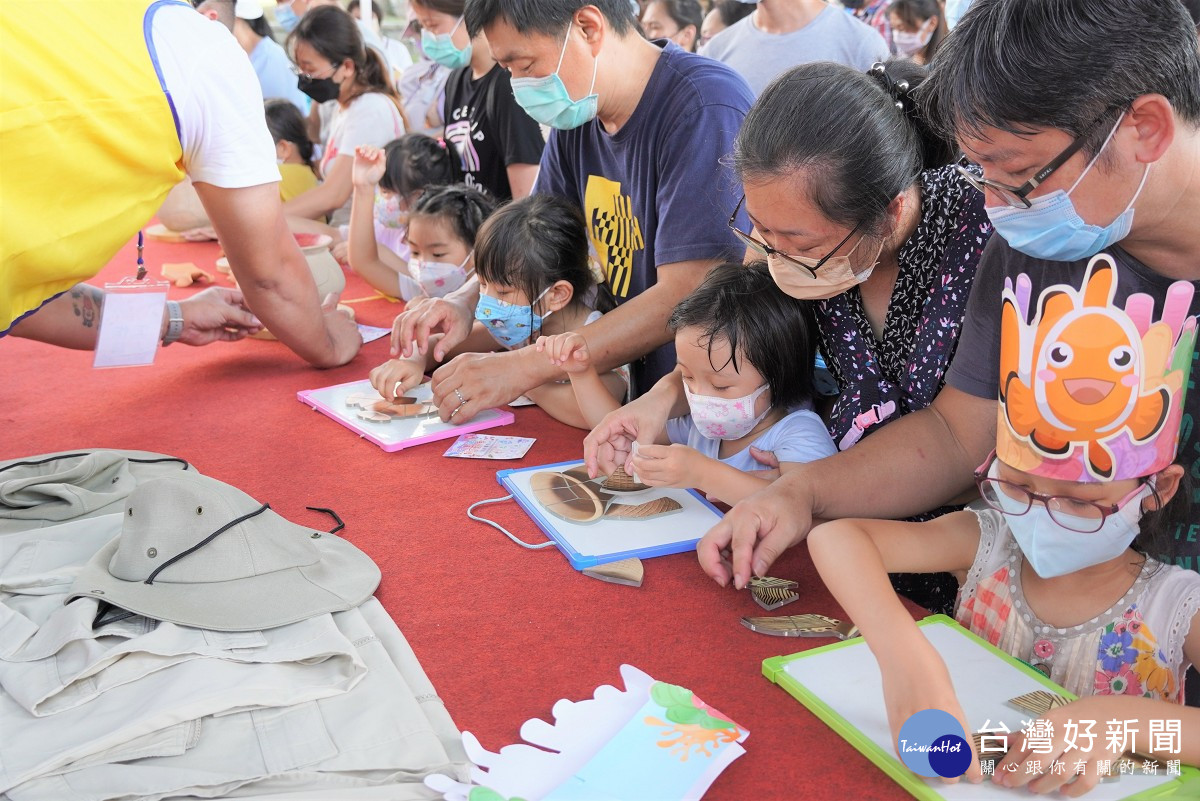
[[131, 323]]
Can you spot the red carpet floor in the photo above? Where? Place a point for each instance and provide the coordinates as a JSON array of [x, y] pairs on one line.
[[502, 632]]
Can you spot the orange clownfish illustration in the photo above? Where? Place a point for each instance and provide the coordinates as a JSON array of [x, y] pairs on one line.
[[1074, 376]]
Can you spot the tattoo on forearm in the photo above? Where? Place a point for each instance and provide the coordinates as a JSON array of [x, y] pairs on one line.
[[86, 300]]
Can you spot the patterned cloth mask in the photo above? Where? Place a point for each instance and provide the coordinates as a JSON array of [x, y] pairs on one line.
[[509, 324], [725, 418]]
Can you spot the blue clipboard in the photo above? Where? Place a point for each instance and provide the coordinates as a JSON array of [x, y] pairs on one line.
[[668, 534]]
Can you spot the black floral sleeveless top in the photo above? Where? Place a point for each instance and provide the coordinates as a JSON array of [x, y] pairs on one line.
[[882, 380]]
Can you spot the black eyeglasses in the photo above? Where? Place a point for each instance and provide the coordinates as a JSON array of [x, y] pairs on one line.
[[1018, 196], [1073, 514], [763, 249]]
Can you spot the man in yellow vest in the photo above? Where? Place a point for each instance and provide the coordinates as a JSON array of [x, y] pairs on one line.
[[103, 108]]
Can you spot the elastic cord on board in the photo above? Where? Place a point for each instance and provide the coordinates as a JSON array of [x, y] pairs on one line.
[[471, 514]]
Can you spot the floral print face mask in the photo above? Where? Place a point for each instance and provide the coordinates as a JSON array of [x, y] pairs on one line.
[[725, 418]]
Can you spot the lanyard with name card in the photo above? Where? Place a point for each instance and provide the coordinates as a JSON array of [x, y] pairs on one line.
[[131, 319]]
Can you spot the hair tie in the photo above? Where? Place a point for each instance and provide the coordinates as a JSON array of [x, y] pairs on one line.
[[441, 143], [898, 90]]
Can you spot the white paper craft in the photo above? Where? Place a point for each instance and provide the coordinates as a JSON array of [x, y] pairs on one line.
[[650, 740], [394, 434], [847, 679]]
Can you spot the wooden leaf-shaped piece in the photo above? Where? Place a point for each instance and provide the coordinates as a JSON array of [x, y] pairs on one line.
[[566, 497], [644, 511], [771, 593], [627, 571]]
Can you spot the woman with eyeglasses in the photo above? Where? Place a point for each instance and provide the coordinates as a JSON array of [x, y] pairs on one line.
[[856, 206], [334, 65]]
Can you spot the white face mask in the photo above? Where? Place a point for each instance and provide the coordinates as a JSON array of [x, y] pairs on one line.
[[438, 278], [908, 43], [725, 418], [1056, 551]]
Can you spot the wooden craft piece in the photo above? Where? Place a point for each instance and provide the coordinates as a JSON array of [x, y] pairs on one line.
[[802, 626], [566, 497], [377, 410], [619, 482], [161, 233], [1039, 702], [643, 511], [627, 571], [772, 593], [184, 273]]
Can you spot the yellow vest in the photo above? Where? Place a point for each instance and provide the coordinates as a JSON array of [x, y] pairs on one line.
[[88, 142]]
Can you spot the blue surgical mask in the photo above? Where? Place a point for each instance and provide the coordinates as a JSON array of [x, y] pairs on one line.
[[548, 102], [286, 18], [441, 48], [1052, 229], [1056, 551], [509, 324]]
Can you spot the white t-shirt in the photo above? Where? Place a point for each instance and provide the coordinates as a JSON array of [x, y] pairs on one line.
[[217, 98], [799, 437], [370, 119]]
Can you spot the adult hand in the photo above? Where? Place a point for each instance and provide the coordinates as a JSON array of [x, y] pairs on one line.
[[413, 327], [757, 531], [341, 253], [610, 444], [216, 315], [472, 382], [342, 331], [769, 460], [369, 164]]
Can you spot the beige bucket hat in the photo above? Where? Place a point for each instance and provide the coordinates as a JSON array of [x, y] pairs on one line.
[[198, 552]]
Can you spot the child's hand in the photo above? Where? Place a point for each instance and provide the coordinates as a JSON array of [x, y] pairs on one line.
[[368, 165], [918, 684], [668, 466], [396, 376], [341, 253], [568, 351], [1018, 768]]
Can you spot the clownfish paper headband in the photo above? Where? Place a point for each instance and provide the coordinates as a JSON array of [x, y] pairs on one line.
[[1090, 391]]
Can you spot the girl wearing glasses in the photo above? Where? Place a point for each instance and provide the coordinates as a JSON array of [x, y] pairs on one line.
[[1054, 565]]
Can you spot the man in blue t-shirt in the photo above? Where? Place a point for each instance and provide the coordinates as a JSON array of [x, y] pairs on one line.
[[639, 131]]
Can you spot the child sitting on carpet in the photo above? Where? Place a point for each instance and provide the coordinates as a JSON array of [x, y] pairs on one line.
[[293, 149], [535, 276], [746, 357], [387, 183], [1056, 567]]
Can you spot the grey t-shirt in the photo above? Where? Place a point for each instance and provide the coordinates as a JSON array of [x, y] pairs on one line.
[[760, 57]]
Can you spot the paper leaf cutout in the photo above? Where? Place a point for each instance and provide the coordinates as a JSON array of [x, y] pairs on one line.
[[557, 759]]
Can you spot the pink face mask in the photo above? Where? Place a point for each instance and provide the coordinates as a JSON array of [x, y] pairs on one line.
[[725, 418]]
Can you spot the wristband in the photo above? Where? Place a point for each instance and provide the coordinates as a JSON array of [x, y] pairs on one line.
[[174, 323]]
